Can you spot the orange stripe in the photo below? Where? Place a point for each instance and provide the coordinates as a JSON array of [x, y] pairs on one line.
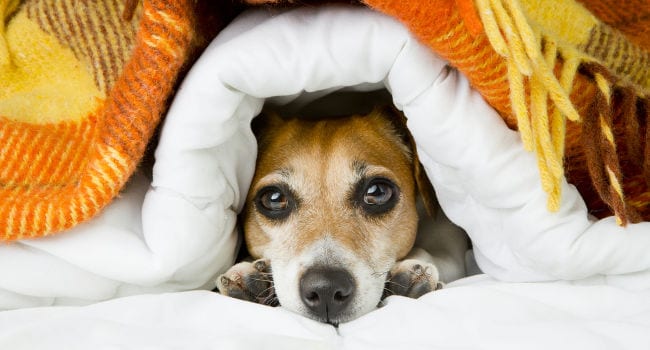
[[77, 196]]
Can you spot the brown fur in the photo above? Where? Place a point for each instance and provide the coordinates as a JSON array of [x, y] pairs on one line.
[[331, 218], [311, 150]]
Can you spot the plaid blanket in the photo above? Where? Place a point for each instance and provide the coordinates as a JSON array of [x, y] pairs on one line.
[[84, 84]]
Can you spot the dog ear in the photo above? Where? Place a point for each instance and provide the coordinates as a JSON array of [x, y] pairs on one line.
[[424, 186], [267, 119]]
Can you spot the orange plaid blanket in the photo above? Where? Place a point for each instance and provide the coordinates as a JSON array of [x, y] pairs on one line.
[[84, 83]]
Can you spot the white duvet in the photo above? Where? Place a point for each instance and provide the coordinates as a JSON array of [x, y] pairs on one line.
[[177, 232], [478, 313]]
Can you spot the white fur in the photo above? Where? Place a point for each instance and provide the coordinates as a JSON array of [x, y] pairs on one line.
[[287, 271]]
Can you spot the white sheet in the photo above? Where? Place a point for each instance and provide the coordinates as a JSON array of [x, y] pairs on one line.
[[476, 313], [180, 233]]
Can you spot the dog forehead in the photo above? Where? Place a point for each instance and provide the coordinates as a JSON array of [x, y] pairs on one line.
[[339, 145]]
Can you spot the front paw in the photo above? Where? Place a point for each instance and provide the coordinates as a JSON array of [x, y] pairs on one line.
[[412, 278], [251, 281]]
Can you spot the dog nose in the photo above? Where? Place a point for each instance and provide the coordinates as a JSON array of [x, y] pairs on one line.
[[327, 292]]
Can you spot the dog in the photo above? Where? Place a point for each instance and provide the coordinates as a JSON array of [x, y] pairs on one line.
[[331, 218]]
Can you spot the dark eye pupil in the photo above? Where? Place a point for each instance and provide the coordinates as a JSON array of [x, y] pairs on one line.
[[378, 194], [274, 201]]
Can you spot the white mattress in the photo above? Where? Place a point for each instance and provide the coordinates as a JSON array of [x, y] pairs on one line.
[[177, 232]]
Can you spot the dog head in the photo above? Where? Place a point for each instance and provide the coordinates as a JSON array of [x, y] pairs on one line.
[[332, 205]]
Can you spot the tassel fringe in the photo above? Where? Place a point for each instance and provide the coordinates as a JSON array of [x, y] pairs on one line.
[[531, 58]]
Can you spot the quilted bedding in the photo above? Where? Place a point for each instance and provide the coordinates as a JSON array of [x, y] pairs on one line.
[[178, 231]]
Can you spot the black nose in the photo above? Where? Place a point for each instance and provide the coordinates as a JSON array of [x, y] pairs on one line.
[[326, 292]]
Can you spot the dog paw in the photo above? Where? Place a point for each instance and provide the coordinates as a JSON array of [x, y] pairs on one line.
[[251, 281], [412, 278]]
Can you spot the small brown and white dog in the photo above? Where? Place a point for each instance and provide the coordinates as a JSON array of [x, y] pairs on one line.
[[331, 218]]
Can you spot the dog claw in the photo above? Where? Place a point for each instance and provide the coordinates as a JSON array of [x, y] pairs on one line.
[[225, 281], [412, 278], [249, 281], [260, 265]]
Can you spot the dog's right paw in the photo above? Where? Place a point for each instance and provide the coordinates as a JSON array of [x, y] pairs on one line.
[[412, 278], [251, 281]]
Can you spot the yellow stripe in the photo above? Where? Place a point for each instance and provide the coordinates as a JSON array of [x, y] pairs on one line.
[[614, 183], [12, 220], [49, 217], [23, 222], [603, 85], [82, 134], [607, 131], [10, 153], [38, 213], [163, 44], [25, 164]]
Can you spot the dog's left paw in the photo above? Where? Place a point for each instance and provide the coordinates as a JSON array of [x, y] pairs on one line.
[[412, 278]]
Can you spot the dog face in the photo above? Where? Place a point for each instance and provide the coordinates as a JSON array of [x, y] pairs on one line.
[[332, 207]]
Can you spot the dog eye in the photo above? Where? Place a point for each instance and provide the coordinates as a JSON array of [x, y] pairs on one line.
[[376, 196], [274, 202]]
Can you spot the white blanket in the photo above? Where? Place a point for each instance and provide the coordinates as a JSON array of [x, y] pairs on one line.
[[478, 313], [178, 232]]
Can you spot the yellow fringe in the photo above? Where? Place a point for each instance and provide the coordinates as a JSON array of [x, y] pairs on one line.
[[555, 163], [512, 37], [603, 85], [558, 122], [618, 188], [516, 47], [518, 101], [491, 26]]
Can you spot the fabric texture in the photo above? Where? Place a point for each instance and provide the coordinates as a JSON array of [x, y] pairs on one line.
[[575, 85], [179, 231], [86, 83], [83, 90], [473, 313]]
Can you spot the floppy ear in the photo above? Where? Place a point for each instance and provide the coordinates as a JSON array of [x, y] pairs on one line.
[[266, 120], [422, 182]]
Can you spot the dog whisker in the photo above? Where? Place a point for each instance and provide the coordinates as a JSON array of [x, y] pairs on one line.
[[262, 280], [272, 301], [397, 284], [265, 291]]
